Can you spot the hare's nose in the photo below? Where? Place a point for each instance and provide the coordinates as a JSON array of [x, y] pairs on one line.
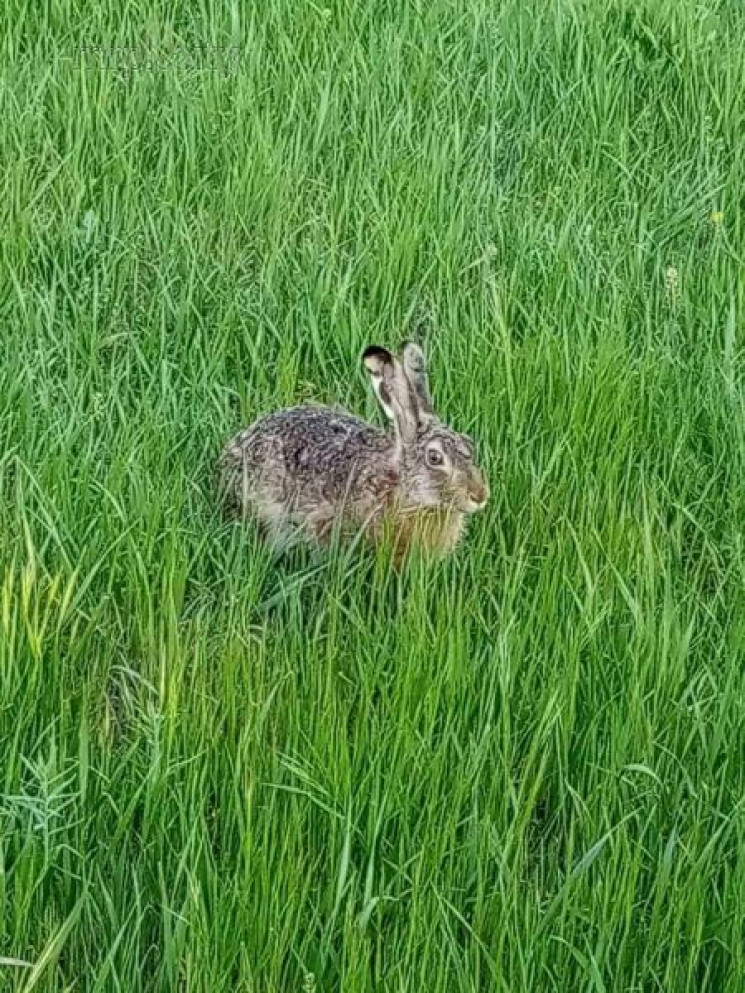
[[480, 493]]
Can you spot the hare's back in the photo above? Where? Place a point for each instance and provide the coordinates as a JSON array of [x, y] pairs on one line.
[[308, 431], [306, 444]]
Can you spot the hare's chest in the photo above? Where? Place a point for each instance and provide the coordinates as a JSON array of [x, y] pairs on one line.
[[436, 532]]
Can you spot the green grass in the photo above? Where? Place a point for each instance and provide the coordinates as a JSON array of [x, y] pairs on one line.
[[519, 770]]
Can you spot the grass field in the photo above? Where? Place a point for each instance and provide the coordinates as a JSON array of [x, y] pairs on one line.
[[522, 769]]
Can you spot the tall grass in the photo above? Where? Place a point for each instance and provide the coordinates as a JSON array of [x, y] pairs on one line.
[[521, 769]]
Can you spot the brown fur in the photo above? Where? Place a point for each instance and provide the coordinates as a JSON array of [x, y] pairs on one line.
[[433, 531]]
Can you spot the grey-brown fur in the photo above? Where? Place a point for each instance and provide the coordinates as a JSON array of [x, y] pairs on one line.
[[306, 473]]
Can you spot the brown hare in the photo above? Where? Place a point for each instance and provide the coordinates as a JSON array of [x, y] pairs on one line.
[[312, 472]]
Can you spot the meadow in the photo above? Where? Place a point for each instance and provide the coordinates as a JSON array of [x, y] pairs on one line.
[[520, 769]]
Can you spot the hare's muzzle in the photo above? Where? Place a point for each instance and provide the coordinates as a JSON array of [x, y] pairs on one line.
[[478, 493]]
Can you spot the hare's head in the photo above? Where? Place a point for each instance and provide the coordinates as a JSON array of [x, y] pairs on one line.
[[437, 465]]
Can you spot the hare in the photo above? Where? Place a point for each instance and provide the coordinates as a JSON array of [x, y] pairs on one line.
[[309, 473]]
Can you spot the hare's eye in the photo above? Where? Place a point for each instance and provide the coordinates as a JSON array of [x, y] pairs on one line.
[[435, 456]]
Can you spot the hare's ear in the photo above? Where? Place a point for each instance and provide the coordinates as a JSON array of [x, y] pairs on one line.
[[415, 367], [393, 390]]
